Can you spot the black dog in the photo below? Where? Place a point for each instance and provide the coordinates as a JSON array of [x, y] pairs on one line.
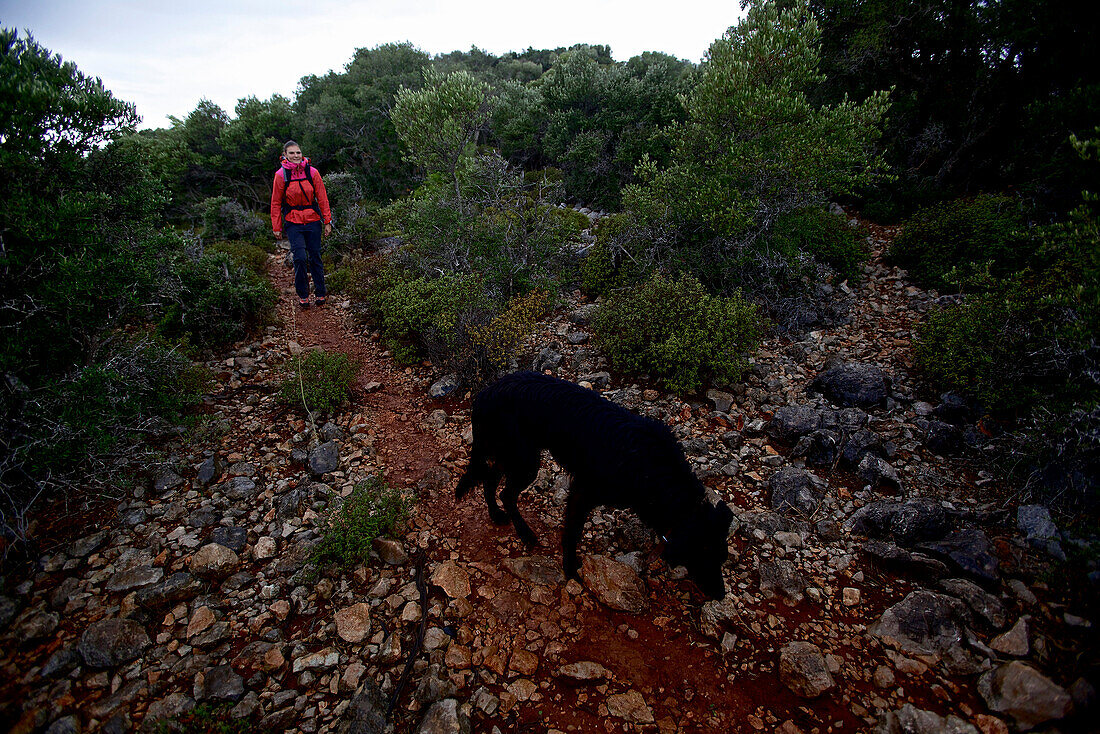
[[616, 458]]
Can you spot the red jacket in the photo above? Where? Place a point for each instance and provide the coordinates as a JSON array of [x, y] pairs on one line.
[[298, 193]]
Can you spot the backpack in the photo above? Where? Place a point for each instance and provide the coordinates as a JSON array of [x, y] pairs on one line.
[[287, 208]]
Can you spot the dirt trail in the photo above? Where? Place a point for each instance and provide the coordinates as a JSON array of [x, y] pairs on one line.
[[685, 683]]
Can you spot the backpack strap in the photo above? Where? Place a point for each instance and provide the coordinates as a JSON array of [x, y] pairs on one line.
[[314, 205]]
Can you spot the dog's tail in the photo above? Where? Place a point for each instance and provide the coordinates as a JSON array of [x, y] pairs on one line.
[[476, 473]]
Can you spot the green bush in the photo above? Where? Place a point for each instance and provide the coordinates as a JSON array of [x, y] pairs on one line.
[[573, 220], [678, 333], [942, 243], [372, 510], [477, 343], [322, 381], [213, 300], [411, 310], [225, 219], [598, 274], [1011, 346], [85, 421], [825, 236], [243, 253]]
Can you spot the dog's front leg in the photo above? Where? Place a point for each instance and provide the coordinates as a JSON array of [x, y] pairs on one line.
[[513, 485], [577, 507]]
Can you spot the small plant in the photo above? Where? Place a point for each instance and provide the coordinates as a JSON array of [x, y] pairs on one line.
[[372, 510], [204, 719], [213, 300], [412, 309], [598, 274], [678, 332], [962, 236], [244, 254], [322, 381], [225, 219], [478, 345], [825, 236]]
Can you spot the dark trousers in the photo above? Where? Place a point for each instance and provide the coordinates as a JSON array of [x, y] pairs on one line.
[[305, 248]]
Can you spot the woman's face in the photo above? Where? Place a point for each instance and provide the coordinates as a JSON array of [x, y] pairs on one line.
[[293, 154]]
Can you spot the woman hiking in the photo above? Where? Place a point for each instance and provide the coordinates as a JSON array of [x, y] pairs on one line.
[[299, 203]]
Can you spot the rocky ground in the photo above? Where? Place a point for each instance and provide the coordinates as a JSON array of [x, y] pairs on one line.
[[880, 579]]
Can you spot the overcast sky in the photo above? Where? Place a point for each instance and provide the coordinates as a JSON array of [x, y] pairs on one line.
[[166, 56]]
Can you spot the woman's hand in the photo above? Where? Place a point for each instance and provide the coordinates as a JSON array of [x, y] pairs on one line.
[[328, 228]]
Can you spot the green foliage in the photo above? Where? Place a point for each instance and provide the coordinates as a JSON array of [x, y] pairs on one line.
[[941, 242], [496, 225], [78, 421], [754, 149], [598, 275], [479, 344], [343, 121], [372, 510], [825, 236], [225, 219], [985, 93], [413, 308], [244, 254], [354, 219], [678, 333], [1001, 346], [439, 123], [322, 381], [213, 300], [205, 719], [594, 119]]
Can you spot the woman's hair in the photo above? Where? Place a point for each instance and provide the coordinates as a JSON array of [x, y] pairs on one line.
[[287, 144]]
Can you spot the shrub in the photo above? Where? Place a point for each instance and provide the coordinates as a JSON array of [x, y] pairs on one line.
[[321, 382], [244, 254], [825, 236], [677, 332], [213, 301], [598, 275], [88, 424], [225, 219], [478, 344], [354, 219], [411, 309], [372, 510], [962, 236], [1010, 346]]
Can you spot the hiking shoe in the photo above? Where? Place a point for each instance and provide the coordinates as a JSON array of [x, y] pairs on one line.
[[303, 303], [320, 300]]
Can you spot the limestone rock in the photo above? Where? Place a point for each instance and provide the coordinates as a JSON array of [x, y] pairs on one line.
[[615, 584], [390, 551], [1020, 691], [453, 579], [353, 623], [214, 562], [444, 717], [585, 670], [923, 623], [536, 569], [911, 720], [111, 642], [852, 384], [1015, 642], [792, 490], [134, 578], [802, 668], [324, 459], [630, 706]]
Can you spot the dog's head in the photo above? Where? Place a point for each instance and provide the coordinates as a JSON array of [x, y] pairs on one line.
[[699, 544]]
